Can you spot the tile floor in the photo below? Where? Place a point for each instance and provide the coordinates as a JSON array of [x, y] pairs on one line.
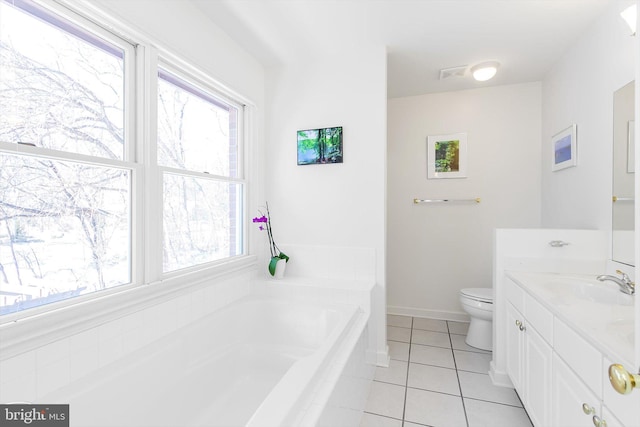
[[436, 379]]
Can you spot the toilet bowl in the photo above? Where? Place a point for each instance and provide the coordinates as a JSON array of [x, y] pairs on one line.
[[478, 303]]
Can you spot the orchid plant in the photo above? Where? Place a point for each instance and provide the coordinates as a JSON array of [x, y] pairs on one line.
[[276, 253]]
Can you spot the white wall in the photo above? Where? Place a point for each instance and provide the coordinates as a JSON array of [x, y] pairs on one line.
[[436, 250], [579, 89], [182, 28], [333, 205]]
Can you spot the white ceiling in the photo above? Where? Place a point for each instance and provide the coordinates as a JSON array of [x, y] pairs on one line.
[[422, 36]]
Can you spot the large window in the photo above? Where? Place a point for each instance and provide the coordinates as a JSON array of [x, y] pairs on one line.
[[65, 211], [198, 153], [68, 175]]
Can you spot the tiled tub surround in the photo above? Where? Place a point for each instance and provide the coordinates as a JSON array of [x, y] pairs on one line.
[[120, 363], [33, 368], [435, 379]]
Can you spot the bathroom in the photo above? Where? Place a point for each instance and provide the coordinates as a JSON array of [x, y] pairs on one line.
[[372, 218]]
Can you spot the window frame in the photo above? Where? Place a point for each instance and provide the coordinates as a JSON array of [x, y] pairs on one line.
[[210, 87], [142, 59], [128, 162]]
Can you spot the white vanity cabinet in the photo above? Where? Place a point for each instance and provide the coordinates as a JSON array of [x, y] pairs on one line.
[[529, 355], [515, 349], [561, 378], [574, 404], [610, 420]]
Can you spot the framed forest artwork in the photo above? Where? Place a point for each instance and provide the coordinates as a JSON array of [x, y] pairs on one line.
[[320, 146], [447, 156]]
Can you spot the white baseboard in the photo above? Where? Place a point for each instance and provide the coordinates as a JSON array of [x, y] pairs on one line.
[[454, 316], [499, 378], [379, 358]]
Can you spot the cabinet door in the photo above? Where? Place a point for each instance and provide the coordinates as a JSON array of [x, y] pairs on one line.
[[515, 340], [610, 419], [571, 398], [538, 358]]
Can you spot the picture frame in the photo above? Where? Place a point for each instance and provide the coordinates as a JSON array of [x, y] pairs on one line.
[[320, 146], [447, 156], [564, 149], [631, 146]]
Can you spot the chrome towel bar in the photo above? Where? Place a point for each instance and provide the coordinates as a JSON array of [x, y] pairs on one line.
[[417, 201], [557, 243], [622, 199]]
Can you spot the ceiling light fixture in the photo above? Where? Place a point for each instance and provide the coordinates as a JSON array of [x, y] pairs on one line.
[[485, 70], [630, 16]]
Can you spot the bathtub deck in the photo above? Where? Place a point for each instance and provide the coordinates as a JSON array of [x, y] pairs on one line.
[[184, 380], [240, 382]]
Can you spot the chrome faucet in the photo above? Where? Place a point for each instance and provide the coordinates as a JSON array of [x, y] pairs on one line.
[[624, 282]]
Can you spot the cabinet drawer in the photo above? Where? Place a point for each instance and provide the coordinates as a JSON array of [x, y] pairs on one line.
[[515, 295], [625, 407], [579, 355], [538, 317]]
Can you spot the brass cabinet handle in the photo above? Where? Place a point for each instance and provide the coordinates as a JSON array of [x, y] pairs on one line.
[[599, 422], [520, 325], [588, 409], [621, 380]]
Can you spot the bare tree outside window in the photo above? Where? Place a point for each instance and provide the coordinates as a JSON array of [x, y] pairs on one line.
[[66, 196], [197, 144], [64, 224]]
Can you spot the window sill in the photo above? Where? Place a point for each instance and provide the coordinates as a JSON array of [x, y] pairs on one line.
[[27, 333]]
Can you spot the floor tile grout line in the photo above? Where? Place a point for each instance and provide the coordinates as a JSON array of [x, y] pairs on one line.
[[436, 391], [453, 350], [456, 349], [442, 392], [433, 366], [406, 380], [464, 407], [494, 402], [383, 416]]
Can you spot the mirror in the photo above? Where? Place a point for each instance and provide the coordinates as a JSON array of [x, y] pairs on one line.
[[622, 230]]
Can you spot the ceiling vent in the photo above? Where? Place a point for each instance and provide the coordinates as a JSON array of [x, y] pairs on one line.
[[447, 73]]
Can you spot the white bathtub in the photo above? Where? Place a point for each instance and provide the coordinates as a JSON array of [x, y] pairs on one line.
[[253, 363]]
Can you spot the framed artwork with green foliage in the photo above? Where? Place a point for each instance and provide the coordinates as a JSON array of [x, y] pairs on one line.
[[320, 146], [447, 156]]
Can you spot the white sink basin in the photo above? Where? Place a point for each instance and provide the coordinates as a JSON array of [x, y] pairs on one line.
[[601, 294], [597, 292]]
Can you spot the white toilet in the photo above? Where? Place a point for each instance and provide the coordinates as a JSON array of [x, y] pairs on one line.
[[478, 303]]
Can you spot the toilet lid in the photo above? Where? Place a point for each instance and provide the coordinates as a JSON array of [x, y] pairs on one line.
[[479, 294]]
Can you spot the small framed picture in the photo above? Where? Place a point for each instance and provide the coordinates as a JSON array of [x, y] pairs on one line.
[[564, 149], [447, 156], [320, 146]]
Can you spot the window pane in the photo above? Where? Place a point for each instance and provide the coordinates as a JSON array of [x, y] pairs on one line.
[[202, 221], [64, 230], [60, 87], [196, 131]]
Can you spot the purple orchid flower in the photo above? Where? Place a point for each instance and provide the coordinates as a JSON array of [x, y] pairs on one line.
[[265, 224]]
